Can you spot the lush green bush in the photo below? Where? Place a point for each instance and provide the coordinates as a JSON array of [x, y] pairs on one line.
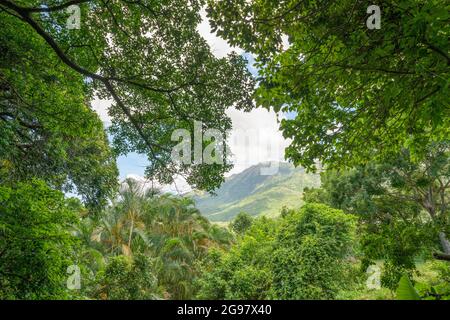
[[298, 256], [241, 223], [310, 251], [128, 278], [36, 243]]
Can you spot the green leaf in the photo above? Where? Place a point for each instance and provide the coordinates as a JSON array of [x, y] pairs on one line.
[[406, 291]]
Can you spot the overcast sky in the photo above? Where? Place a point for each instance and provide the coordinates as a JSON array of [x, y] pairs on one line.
[[263, 142]]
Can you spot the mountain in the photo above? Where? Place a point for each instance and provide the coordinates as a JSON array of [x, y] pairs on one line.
[[256, 194]]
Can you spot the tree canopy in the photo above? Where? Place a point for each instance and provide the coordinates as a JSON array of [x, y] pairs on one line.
[[402, 206], [148, 58], [355, 93], [36, 242], [47, 128], [367, 102]]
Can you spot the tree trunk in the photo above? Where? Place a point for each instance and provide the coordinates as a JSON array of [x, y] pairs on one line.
[[131, 233], [441, 256]]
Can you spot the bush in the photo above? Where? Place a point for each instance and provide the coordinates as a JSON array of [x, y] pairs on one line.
[[241, 223], [36, 243], [299, 256], [310, 252], [128, 278]]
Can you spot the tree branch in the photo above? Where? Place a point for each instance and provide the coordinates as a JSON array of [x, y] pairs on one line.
[[54, 8], [438, 51], [441, 256], [25, 14]]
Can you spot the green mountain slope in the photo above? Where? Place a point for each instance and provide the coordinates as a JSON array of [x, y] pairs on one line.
[[257, 194]]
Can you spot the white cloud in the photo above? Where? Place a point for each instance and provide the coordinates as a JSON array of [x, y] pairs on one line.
[[255, 138], [101, 106], [180, 186], [219, 47]]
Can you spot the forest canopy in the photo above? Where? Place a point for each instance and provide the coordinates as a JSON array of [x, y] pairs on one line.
[[356, 92], [365, 105], [148, 58]]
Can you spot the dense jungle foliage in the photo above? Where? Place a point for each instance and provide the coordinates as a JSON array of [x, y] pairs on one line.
[[371, 106]]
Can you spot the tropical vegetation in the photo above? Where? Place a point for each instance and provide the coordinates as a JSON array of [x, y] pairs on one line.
[[367, 107]]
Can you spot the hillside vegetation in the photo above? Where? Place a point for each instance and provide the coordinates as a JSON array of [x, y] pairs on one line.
[[257, 194]]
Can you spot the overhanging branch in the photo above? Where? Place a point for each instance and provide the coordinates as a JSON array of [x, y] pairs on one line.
[[24, 13], [55, 8]]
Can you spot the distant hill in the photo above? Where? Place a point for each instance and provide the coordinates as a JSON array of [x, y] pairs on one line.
[[256, 194]]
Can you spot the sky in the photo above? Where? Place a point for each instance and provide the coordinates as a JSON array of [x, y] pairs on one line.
[[255, 136]]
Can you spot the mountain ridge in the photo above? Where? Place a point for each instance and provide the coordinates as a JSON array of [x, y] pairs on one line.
[[256, 194]]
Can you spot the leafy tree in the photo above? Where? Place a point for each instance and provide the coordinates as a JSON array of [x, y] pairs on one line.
[[128, 278], [310, 251], [243, 272], [241, 223], [36, 242], [402, 205], [299, 256], [47, 129], [147, 57], [351, 89]]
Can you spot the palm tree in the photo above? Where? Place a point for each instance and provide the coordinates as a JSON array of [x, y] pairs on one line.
[[92, 250], [132, 205], [180, 237], [122, 229], [166, 227]]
